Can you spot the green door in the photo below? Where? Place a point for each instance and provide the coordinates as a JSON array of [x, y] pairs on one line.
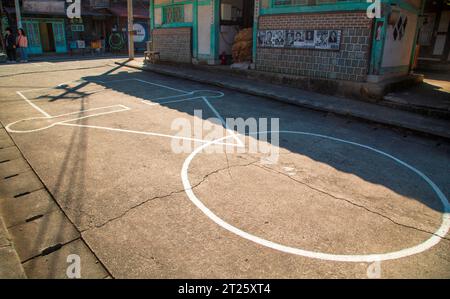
[[59, 37], [34, 40]]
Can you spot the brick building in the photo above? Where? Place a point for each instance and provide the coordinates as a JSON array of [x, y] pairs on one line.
[[327, 39]]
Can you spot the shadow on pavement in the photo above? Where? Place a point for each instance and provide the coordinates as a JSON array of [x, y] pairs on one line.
[[363, 163]]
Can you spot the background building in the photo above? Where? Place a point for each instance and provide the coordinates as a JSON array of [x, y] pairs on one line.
[[102, 26], [328, 39]]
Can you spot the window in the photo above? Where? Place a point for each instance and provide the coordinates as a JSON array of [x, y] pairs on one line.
[[173, 14]]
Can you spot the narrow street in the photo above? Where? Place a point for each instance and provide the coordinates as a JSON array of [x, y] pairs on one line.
[[110, 166]]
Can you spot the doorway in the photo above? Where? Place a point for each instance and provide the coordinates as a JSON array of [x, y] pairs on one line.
[[47, 37], [235, 16]]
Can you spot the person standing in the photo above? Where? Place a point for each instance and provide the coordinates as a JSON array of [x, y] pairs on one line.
[[10, 44], [22, 44]]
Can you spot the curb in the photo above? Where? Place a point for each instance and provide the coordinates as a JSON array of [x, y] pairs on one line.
[[10, 260], [414, 125]]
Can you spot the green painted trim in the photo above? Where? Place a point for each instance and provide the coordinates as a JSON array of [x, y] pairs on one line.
[[316, 8], [255, 32], [355, 5], [152, 15], [173, 2], [406, 6], [377, 47], [215, 30], [63, 48], [195, 29], [175, 25]]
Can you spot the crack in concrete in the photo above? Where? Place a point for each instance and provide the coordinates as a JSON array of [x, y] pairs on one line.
[[130, 209], [352, 203], [204, 178]]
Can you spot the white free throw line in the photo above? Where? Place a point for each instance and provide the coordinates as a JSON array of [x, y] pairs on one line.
[[33, 105], [143, 133]]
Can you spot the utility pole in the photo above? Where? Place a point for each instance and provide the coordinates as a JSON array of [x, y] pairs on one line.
[[130, 30], [18, 15]]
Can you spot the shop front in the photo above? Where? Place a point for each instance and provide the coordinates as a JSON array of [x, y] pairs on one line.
[[198, 31], [45, 35], [44, 23]]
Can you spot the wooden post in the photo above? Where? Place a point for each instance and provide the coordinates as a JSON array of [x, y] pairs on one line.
[[18, 16], [130, 30]]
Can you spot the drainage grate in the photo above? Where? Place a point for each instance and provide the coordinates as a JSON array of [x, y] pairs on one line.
[[21, 194], [33, 218], [51, 249]]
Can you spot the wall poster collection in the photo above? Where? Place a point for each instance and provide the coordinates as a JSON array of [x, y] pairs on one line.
[[302, 39]]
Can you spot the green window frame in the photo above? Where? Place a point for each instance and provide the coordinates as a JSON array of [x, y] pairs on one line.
[[173, 14], [287, 3]]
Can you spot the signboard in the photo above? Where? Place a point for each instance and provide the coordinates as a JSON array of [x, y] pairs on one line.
[[77, 27], [300, 39], [139, 33], [45, 6]]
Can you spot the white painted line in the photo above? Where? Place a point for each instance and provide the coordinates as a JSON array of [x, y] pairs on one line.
[[8, 127], [161, 85], [171, 97], [143, 133], [33, 105], [433, 240], [169, 102], [224, 123]]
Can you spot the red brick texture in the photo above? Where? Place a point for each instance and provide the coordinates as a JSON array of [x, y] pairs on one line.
[[351, 62]]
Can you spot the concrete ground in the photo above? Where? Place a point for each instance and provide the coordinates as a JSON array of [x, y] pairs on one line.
[[152, 198], [433, 95]]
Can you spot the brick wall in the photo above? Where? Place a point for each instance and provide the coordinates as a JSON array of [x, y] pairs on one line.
[[351, 62], [173, 43]]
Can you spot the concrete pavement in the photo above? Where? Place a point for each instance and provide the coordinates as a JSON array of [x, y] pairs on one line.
[[333, 192], [341, 106]]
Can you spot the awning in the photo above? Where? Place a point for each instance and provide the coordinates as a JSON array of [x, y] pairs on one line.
[[85, 11]]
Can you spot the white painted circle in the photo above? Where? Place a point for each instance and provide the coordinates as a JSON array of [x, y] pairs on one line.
[[433, 240]]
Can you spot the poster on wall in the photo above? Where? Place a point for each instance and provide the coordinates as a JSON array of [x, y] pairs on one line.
[[272, 38], [301, 39]]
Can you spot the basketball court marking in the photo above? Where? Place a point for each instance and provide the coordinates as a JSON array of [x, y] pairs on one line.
[[187, 96], [49, 117], [184, 96], [369, 258]]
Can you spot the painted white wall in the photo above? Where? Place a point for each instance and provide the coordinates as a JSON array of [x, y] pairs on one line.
[[205, 20], [398, 52], [158, 16]]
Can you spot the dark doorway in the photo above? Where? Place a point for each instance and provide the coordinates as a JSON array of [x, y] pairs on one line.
[[47, 38]]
